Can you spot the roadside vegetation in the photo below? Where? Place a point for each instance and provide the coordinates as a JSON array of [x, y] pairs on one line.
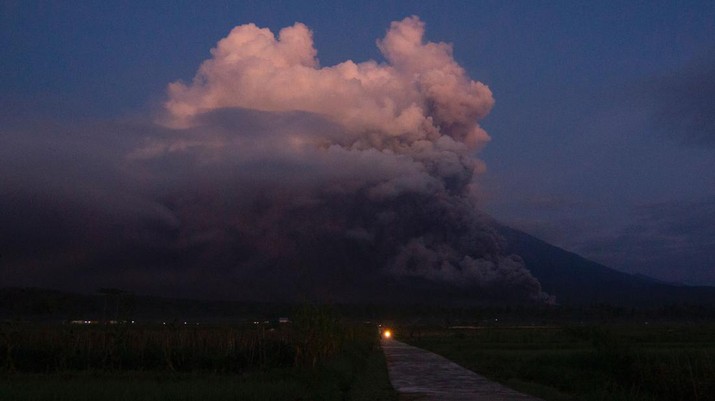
[[317, 356], [559, 363]]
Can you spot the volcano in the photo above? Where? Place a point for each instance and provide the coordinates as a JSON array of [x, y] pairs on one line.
[[575, 280], [269, 177]]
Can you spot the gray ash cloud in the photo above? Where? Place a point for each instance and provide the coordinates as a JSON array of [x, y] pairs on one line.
[[270, 177]]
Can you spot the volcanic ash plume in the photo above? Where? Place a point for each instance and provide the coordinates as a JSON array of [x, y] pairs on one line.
[[422, 94], [375, 159], [273, 177]]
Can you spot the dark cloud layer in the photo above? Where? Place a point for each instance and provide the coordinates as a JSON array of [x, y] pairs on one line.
[[366, 192], [672, 241], [684, 104], [195, 221], [86, 207]]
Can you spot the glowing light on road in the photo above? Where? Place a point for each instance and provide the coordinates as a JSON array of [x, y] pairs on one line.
[[387, 334]]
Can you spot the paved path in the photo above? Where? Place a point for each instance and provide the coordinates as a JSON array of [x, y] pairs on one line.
[[422, 375]]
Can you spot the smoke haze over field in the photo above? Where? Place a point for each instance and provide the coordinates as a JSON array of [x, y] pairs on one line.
[[269, 177]]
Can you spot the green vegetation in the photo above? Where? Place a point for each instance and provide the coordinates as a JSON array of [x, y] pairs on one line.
[[316, 357], [585, 363]]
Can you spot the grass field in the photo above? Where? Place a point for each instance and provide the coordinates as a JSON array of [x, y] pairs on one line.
[[317, 357], [618, 362]]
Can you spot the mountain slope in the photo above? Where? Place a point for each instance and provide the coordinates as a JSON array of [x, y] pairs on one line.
[[574, 280]]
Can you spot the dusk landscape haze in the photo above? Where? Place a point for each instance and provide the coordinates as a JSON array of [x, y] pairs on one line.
[[303, 200], [280, 153]]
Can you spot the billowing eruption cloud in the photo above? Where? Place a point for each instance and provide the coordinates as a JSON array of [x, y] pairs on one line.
[[422, 94], [271, 177]]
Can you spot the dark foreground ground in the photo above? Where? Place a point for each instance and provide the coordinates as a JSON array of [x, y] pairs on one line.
[[323, 355], [666, 362], [317, 356]]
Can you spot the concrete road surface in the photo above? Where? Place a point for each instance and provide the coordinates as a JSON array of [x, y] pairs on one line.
[[420, 375]]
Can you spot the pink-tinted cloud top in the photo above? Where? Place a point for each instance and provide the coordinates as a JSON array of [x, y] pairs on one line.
[[421, 93]]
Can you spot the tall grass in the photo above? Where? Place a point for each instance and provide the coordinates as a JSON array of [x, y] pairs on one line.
[[316, 335], [318, 357], [35, 348]]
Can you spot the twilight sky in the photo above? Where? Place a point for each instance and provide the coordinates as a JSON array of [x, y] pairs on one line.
[[596, 124]]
